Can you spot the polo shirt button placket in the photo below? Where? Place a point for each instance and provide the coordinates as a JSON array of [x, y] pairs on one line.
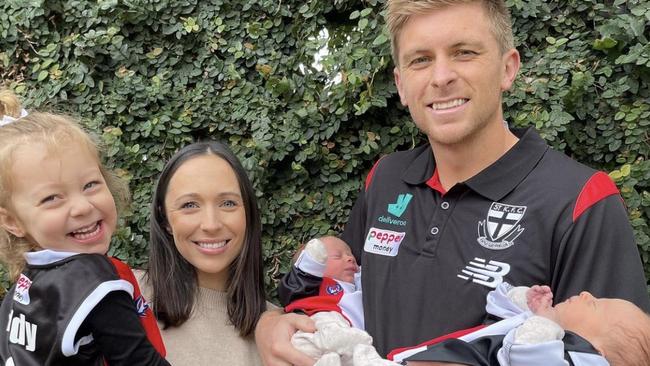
[[444, 205]]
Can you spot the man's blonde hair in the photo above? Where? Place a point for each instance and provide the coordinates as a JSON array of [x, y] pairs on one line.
[[398, 12]]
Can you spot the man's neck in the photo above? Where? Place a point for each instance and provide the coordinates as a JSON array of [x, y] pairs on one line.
[[459, 162]]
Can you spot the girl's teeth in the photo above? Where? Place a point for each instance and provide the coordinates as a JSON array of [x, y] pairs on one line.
[[87, 232]]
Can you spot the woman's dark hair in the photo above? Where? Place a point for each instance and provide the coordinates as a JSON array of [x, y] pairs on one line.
[[174, 279]]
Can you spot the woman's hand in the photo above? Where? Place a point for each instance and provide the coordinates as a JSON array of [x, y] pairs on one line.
[[273, 337]]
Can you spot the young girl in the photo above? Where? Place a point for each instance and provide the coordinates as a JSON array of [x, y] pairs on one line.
[[71, 304], [205, 260]]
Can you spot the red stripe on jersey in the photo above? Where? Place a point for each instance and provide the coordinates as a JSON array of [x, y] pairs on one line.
[[326, 300], [434, 183], [599, 186], [456, 334], [371, 173], [148, 320]]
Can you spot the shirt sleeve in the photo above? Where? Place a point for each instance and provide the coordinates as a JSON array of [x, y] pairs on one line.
[[296, 285], [118, 333], [549, 353], [598, 254], [500, 304]]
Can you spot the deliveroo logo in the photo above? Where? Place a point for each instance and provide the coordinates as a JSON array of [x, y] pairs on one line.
[[399, 207]]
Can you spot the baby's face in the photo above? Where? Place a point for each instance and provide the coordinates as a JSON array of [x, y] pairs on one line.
[[340, 264], [592, 317]]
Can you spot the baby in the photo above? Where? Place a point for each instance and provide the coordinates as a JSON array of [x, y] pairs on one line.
[[325, 283], [583, 330]]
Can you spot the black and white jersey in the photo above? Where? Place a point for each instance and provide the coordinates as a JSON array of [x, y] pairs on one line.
[[496, 344], [44, 314]]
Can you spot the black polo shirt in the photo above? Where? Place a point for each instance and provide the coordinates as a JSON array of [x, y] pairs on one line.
[[534, 216]]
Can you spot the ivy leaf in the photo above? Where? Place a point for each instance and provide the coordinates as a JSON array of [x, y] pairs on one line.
[[381, 39], [604, 43], [42, 75], [363, 23], [615, 145]]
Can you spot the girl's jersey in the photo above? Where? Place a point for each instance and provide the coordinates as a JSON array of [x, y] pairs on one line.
[[42, 316]]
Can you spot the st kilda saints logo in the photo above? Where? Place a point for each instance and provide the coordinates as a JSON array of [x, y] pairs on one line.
[[501, 227]]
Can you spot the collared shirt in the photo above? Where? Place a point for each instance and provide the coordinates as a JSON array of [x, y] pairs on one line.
[[533, 217]]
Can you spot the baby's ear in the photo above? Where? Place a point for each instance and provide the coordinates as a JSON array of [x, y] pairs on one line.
[[10, 222]]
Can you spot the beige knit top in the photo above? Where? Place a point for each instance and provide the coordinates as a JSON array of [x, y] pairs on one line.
[[207, 338]]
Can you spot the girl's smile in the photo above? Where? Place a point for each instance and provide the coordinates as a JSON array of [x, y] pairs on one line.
[[61, 201]]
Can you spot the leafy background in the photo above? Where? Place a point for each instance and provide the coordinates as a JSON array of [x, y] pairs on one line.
[[150, 76]]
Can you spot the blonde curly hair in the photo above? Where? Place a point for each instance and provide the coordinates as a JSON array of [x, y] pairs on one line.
[[55, 131]]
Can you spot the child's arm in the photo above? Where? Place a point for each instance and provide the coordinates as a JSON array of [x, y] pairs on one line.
[[538, 340], [506, 301], [306, 275], [118, 333], [313, 258]]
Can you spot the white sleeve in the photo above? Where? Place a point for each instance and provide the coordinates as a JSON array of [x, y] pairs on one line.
[[517, 296], [538, 329], [549, 353], [357, 280], [500, 304], [306, 263]]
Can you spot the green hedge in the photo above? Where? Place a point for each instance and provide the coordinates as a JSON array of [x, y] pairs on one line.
[[152, 76]]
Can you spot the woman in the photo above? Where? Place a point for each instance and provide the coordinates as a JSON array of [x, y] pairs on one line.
[[205, 271]]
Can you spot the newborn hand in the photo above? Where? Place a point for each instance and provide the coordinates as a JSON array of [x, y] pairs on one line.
[[540, 299], [316, 249]]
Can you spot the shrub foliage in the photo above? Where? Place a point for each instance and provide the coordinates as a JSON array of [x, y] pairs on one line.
[[150, 76]]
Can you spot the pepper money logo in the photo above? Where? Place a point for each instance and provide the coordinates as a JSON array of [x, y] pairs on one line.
[[383, 242], [21, 294], [399, 207]]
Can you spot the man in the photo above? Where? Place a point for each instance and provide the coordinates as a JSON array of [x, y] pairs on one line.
[[438, 227]]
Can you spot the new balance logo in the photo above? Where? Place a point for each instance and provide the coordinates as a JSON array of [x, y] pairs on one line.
[[399, 207], [488, 274]]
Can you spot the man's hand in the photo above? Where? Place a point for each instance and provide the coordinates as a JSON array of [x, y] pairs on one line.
[[273, 337], [540, 300]]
